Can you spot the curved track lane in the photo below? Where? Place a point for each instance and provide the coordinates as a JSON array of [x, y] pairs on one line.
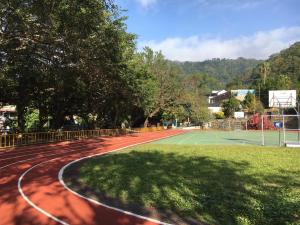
[[30, 191]]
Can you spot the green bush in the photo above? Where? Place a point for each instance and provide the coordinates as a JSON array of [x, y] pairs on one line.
[[219, 115], [32, 118]]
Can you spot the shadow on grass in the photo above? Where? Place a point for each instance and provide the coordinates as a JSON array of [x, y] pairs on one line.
[[188, 189], [243, 141]]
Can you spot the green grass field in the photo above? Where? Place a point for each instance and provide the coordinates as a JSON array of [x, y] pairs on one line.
[[213, 184]]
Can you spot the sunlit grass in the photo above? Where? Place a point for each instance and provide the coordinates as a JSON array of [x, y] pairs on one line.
[[215, 184]]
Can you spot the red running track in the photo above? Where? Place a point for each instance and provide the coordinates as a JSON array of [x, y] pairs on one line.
[[30, 191]]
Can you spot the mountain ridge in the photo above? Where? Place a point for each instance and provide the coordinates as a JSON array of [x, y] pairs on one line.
[[224, 70]]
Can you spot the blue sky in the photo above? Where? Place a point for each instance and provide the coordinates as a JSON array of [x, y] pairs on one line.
[[196, 30]]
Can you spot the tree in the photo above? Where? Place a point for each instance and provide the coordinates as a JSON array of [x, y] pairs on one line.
[[250, 103], [280, 71], [32, 119], [195, 88], [259, 107], [230, 106], [264, 70], [65, 58], [281, 82], [158, 83]]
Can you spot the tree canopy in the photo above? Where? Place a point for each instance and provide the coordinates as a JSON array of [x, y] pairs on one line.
[[63, 60], [60, 59], [280, 72], [226, 71]]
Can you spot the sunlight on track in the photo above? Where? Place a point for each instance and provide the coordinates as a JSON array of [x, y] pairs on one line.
[[40, 156]]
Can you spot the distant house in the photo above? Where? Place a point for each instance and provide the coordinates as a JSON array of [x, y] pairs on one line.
[[215, 100], [217, 97], [240, 94], [7, 112]]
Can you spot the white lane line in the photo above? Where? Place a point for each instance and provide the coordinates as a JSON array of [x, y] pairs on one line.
[[30, 202], [46, 146], [67, 151], [30, 148], [34, 148], [77, 149], [60, 177], [45, 151], [91, 200], [40, 148]]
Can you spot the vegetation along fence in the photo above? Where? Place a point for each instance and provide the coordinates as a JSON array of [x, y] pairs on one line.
[[229, 124], [13, 140], [148, 129]]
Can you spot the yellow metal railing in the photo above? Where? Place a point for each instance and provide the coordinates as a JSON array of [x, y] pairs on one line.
[[13, 140]]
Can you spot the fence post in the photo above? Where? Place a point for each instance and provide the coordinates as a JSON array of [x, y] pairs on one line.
[[262, 130], [283, 127]]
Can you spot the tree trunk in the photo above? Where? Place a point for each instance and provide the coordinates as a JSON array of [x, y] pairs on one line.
[[58, 120], [146, 122], [150, 116], [42, 119], [116, 119], [21, 117]]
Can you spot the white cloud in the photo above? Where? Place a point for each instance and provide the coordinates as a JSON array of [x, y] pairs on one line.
[[146, 3], [259, 45]]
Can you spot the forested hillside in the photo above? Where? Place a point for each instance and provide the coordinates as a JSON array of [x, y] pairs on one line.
[[224, 70], [280, 71]]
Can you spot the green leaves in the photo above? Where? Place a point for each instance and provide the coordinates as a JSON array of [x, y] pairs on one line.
[[230, 106], [280, 72], [77, 49], [157, 83], [250, 103]]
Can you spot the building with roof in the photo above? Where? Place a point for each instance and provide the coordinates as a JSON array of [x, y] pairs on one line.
[[7, 112], [215, 100]]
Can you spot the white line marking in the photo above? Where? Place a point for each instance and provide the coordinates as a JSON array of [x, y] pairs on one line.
[[30, 148], [25, 160], [80, 145], [91, 200], [38, 147], [78, 148], [60, 177], [30, 202], [42, 148]]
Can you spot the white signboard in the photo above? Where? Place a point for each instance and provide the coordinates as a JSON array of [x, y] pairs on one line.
[[239, 115], [282, 99]]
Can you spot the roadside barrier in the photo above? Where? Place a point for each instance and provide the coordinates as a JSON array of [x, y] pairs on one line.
[[13, 140]]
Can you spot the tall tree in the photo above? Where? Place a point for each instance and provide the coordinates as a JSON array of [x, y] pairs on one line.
[[64, 57], [250, 102], [230, 106], [158, 84]]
